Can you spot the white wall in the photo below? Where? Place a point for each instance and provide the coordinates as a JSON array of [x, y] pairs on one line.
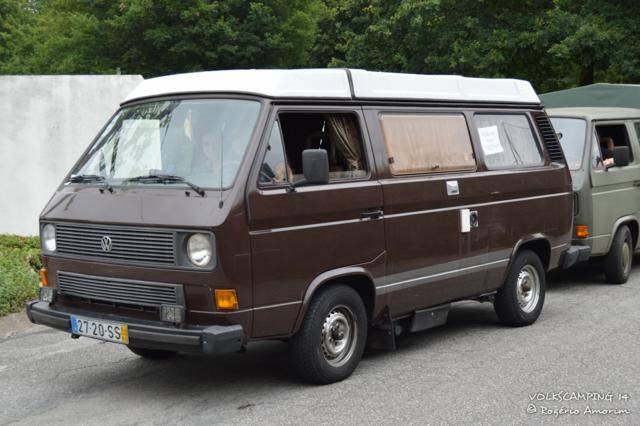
[[46, 122]]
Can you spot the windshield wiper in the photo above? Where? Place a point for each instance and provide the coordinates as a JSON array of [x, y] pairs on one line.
[[165, 179], [85, 178], [91, 178]]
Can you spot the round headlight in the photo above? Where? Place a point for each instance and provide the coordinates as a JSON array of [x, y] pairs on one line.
[[199, 249], [49, 237]]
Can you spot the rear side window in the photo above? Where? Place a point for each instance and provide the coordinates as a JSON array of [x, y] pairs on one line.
[[507, 141], [422, 143]]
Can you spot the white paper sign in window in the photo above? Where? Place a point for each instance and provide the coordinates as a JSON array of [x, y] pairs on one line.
[[490, 140]]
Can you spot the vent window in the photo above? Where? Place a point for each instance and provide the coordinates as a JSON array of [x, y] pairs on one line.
[[550, 139]]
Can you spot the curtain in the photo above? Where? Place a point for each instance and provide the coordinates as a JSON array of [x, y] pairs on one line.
[[344, 134]]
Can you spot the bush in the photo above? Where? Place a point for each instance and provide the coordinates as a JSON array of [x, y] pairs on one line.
[[19, 277]]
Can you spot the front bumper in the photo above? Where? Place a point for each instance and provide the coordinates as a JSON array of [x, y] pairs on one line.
[[215, 339]]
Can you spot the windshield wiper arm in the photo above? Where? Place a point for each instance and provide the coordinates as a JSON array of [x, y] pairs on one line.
[[85, 178], [167, 179]]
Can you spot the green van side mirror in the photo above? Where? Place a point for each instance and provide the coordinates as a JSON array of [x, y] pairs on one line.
[[621, 156]]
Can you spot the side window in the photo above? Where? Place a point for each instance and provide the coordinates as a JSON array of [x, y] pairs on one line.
[[274, 169], [636, 125], [507, 140], [421, 143], [611, 136], [338, 133]]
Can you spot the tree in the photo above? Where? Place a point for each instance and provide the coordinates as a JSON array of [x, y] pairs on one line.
[[552, 43], [165, 36]]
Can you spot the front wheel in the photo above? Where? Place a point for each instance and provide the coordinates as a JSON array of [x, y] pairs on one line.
[[519, 301], [617, 264], [331, 340]]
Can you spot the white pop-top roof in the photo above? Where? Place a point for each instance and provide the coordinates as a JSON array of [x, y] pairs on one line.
[[340, 84]]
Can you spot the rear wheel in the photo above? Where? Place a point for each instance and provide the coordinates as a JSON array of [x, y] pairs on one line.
[[331, 340], [519, 301], [617, 263], [152, 353]]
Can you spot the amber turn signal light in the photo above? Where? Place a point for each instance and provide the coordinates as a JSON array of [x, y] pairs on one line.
[[43, 277], [582, 231], [226, 299]]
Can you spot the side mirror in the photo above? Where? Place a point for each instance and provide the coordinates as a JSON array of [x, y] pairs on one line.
[[315, 166], [621, 156]]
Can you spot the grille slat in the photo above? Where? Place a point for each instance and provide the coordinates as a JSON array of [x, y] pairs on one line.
[[150, 251], [121, 297], [550, 138], [136, 293], [140, 246], [115, 230], [137, 241], [141, 288], [119, 256]]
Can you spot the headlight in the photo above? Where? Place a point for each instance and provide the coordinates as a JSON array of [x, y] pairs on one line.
[[48, 237], [199, 250]]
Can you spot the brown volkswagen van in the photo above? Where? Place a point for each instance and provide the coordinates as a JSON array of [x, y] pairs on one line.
[[326, 208]]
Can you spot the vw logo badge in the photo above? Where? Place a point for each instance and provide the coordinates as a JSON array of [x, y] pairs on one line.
[[106, 244]]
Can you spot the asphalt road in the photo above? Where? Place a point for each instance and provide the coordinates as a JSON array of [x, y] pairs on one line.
[[586, 343]]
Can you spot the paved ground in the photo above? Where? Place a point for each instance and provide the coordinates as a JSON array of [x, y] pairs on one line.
[[471, 370]]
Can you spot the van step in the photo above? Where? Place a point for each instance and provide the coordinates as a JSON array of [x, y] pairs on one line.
[[429, 318]]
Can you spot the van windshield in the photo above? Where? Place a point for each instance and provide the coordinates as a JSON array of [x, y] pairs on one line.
[[571, 133], [200, 141]]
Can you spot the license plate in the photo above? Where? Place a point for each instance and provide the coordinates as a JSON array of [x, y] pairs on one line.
[[98, 329]]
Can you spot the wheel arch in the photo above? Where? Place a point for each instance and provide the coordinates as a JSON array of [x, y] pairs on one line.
[[537, 243], [632, 222], [355, 277]]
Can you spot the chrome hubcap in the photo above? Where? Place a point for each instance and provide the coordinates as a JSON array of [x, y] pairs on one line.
[[528, 288], [626, 257], [339, 336]]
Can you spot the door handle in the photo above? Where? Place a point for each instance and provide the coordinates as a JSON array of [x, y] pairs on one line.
[[636, 183], [375, 214]]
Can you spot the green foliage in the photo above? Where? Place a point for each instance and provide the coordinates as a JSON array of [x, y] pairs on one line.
[[553, 43], [19, 265]]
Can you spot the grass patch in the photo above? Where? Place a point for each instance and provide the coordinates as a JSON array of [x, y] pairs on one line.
[[19, 277]]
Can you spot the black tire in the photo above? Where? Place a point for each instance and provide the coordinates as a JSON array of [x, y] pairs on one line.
[[513, 304], [617, 263], [311, 347], [152, 353]]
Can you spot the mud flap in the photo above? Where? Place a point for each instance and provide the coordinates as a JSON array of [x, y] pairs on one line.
[[383, 336]]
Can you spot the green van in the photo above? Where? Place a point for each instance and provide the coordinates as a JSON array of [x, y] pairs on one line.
[[601, 148]]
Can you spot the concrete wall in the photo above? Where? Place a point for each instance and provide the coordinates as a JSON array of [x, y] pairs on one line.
[[46, 122]]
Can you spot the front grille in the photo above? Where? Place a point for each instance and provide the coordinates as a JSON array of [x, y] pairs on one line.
[[119, 291], [550, 138], [145, 246]]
